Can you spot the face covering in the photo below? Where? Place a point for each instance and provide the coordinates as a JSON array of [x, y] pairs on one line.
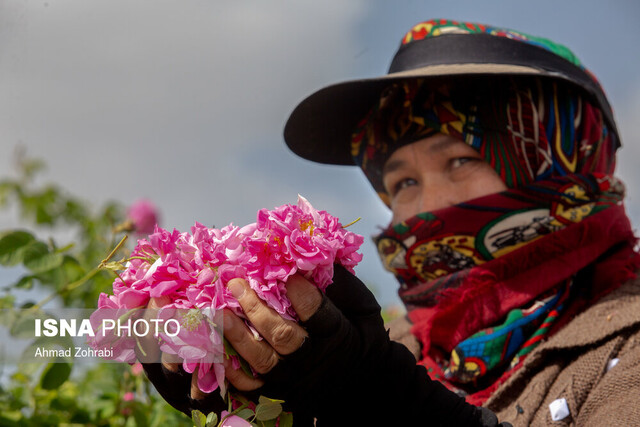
[[486, 280]]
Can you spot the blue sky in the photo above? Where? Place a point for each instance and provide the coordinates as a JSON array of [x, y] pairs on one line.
[[183, 102]]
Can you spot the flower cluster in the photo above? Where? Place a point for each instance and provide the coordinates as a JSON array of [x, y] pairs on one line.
[[191, 270]]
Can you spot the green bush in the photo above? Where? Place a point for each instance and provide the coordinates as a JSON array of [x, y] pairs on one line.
[[73, 274]]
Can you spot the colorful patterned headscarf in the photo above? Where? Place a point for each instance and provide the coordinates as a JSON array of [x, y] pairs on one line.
[[528, 129], [438, 27], [486, 280]]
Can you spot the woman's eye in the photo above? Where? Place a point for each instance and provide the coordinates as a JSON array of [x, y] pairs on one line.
[[459, 161], [402, 184]]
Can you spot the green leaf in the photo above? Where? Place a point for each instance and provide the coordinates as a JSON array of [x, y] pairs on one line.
[[81, 416], [35, 250], [286, 419], [73, 210], [23, 325], [139, 415], [43, 216], [11, 418], [12, 246], [30, 166], [212, 419], [38, 259], [245, 413], [72, 269], [198, 418], [20, 377], [7, 301], [265, 399], [267, 409], [15, 239], [7, 314], [54, 375], [6, 188], [25, 282]]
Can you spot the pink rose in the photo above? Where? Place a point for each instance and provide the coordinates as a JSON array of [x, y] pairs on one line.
[[136, 369], [233, 420], [144, 216]]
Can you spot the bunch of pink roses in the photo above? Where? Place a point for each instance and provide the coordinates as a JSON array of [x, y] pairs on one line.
[[193, 269]]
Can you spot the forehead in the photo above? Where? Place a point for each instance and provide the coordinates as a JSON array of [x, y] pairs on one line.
[[424, 148]]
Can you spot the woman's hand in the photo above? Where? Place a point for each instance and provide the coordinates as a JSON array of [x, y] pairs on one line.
[[335, 362], [281, 336]]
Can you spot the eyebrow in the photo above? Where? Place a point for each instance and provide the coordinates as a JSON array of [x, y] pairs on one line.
[[392, 166], [432, 149]]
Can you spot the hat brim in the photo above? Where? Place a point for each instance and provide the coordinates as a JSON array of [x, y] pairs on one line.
[[320, 127]]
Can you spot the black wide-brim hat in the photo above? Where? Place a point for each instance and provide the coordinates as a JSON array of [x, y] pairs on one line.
[[320, 127]]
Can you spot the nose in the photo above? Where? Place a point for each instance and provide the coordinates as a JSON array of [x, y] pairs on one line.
[[437, 194]]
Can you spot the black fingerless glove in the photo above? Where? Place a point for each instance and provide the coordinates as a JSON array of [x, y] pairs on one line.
[[348, 371], [175, 388]]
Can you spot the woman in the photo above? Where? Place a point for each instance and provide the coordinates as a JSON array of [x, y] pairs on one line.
[[495, 152]]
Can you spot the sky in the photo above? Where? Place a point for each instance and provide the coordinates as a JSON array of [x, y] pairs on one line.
[[184, 102]]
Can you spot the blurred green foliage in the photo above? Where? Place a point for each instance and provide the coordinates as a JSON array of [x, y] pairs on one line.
[[59, 394], [72, 273]]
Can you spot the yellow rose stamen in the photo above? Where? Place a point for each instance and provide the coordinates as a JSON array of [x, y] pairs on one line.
[[192, 319], [307, 225]]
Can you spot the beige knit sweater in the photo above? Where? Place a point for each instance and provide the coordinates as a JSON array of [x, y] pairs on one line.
[[593, 363]]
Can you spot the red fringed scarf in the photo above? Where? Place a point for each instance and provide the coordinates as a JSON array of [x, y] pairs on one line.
[[465, 268]]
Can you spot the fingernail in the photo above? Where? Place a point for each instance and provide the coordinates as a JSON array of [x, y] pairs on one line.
[[236, 288]]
